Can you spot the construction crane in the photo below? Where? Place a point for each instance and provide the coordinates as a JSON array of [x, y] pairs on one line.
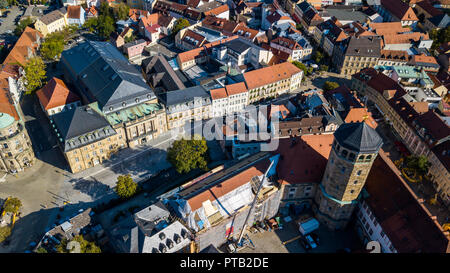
[[291, 240], [240, 243]]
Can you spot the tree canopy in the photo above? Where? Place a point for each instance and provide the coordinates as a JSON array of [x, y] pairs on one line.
[[3, 4], [85, 246], [306, 70], [327, 86], [12, 204], [439, 36], [53, 46], [34, 74], [418, 163], [318, 56], [125, 186], [180, 23], [186, 155], [22, 25], [121, 12], [105, 26]]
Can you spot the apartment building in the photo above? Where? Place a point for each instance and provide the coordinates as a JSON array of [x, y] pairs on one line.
[[357, 53], [186, 105], [295, 51], [51, 22], [272, 81], [327, 34], [421, 133], [229, 99]]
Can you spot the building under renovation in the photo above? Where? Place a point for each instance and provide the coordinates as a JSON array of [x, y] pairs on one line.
[[215, 208]]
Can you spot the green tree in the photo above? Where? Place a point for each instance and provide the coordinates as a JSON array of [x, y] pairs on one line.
[[105, 9], [418, 163], [439, 36], [121, 12], [85, 246], [5, 232], [186, 155], [318, 56], [125, 186], [53, 46], [105, 26], [22, 25], [34, 74], [3, 4], [327, 86], [12, 204], [91, 24], [180, 23], [306, 70]]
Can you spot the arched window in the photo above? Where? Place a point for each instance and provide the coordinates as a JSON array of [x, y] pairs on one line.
[[368, 158], [361, 158]]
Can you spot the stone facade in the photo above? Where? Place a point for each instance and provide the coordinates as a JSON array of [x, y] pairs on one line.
[[16, 150], [343, 180]]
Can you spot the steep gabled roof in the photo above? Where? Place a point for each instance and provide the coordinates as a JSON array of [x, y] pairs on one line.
[[55, 93]]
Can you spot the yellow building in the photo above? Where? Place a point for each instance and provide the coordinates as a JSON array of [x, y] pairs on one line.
[[54, 21]]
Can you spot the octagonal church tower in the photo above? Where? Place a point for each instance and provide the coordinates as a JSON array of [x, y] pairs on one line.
[[354, 149]]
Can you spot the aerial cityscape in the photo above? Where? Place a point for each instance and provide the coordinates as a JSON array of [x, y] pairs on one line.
[[224, 126]]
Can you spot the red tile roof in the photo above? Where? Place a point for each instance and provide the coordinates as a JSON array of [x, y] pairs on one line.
[[406, 222], [6, 102], [55, 93], [304, 162], [19, 53], [433, 125], [219, 93], [271, 74]]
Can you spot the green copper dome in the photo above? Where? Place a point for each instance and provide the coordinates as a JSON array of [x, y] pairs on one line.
[[5, 120]]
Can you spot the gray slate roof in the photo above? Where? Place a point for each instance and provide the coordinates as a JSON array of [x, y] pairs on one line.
[[81, 126], [159, 72], [107, 75], [238, 45], [358, 137], [364, 46], [183, 99]]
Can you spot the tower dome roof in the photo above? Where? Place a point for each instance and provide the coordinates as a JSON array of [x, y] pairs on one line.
[[358, 137]]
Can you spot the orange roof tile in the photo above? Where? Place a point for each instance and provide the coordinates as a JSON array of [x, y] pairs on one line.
[[6, 102], [55, 93], [19, 53], [219, 93], [236, 88], [271, 74], [217, 11], [304, 162], [359, 115]]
